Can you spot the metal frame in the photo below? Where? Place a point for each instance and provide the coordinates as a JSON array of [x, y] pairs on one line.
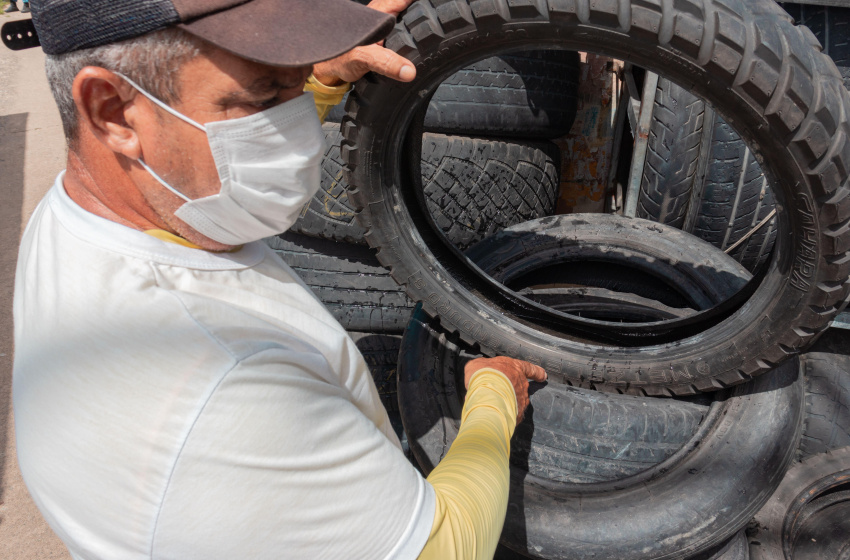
[[641, 127]]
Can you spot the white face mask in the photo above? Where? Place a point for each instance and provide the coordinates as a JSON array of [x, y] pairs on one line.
[[269, 165]]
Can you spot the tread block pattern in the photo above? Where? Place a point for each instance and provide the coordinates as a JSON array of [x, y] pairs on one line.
[[349, 280], [381, 354], [474, 188], [672, 155], [329, 214], [758, 85], [600, 436], [523, 95], [827, 420]]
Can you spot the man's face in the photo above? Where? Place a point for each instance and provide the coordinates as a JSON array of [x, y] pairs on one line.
[[214, 86]]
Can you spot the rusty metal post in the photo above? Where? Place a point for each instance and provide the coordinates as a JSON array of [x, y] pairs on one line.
[[647, 105]]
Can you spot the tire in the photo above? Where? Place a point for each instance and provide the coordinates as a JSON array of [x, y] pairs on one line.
[[349, 280], [826, 534], [736, 548], [381, 354], [329, 214], [735, 195], [672, 155], [831, 26], [522, 95], [663, 462], [736, 198], [742, 66], [827, 420], [474, 188], [622, 255], [773, 529]]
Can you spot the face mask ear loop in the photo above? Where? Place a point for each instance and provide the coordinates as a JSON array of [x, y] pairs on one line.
[[162, 105], [162, 181]]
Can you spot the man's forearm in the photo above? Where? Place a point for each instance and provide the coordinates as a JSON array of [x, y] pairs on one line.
[[471, 482]]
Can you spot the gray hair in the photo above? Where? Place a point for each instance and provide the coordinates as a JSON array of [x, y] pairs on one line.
[[152, 61]]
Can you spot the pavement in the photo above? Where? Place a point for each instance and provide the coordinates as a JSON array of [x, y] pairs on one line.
[[32, 152]]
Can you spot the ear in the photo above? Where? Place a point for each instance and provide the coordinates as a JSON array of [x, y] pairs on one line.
[[105, 106]]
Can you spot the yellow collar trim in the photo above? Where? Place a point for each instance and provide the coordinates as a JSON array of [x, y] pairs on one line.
[[169, 237]]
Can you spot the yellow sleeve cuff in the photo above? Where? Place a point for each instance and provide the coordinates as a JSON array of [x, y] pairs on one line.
[[471, 482], [326, 96]]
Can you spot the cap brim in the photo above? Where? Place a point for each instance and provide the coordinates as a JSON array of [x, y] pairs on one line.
[[290, 34]]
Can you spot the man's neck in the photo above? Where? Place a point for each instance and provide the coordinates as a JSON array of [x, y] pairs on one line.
[[85, 190]]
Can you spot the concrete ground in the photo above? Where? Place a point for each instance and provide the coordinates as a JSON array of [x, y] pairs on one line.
[[32, 152]]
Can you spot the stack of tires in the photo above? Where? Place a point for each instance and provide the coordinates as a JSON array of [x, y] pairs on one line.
[[682, 417], [486, 164]]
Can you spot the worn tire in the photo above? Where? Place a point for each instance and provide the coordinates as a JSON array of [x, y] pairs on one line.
[[831, 26], [672, 155], [736, 198], [773, 529], [737, 548], [624, 255], [349, 280], [521, 95], [735, 194], [474, 187], [329, 214], [825, 535], [381, 354], [827, 420], [744, 57], [731, 463]]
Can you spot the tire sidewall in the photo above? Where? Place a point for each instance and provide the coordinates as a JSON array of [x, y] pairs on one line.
[[762, 334]]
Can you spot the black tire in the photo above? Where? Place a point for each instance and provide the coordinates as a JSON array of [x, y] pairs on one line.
[[827, 420], [474, 188], [797, 126], [736, 548], [773, 530], [831, 26], [522, 95], [730, 462], [736, 198], [349, 280], [735, 194], [381, 354], [825, 535], [613, 253], [329, 214], [672, 155]]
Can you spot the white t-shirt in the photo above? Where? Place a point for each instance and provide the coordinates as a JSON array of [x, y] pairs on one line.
[[172, 403]]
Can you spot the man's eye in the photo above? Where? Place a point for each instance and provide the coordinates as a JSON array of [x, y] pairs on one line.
[[265, 104]]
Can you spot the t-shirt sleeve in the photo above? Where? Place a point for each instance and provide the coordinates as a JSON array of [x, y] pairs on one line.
[[281, 463], [326, 96], [471, 482]]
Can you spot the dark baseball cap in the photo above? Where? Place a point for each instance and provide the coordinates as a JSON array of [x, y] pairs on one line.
[[284, 33]]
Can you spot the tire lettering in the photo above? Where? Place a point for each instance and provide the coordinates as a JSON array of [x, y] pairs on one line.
[[805, 261]]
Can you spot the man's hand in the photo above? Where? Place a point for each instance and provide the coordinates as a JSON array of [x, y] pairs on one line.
[[517, 371], [357, 62]]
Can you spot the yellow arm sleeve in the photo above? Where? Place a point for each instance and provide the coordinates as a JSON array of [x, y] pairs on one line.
[[326, 96], [471, 482]]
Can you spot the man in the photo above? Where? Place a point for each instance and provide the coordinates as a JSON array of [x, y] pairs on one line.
[[178, 391]]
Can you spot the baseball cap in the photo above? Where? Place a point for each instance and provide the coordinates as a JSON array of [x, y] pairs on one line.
[[285, 33]]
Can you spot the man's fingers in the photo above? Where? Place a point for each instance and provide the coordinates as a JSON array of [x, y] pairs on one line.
[[387, 63], [535, 373], [393, 7]]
